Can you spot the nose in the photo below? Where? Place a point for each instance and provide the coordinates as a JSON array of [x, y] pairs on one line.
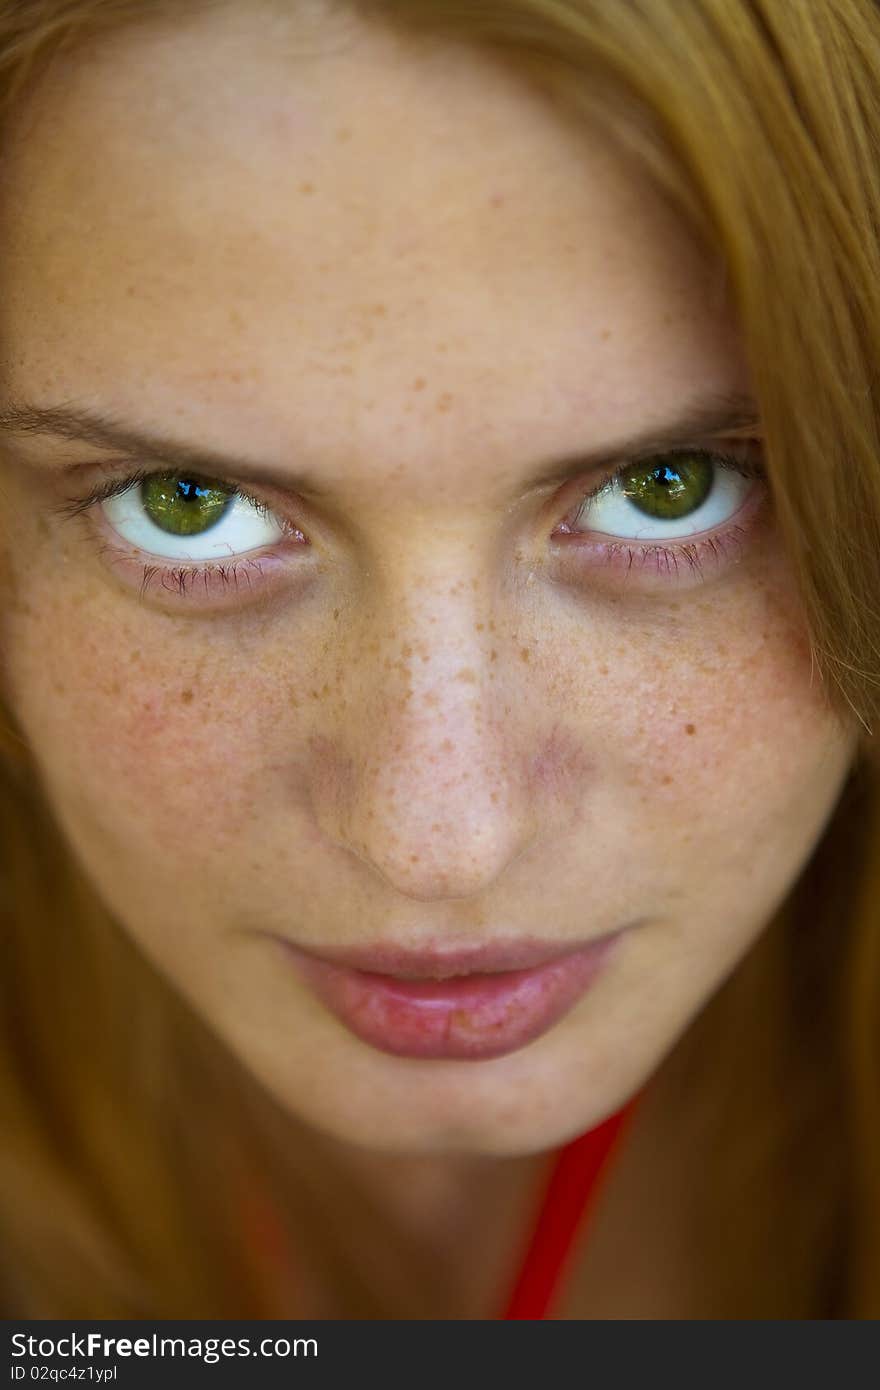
[[424, 783]]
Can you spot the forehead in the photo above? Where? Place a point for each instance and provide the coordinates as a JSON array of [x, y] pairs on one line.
[[355, 230]]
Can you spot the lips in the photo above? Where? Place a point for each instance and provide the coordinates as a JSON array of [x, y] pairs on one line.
[[439, 962], [475, 1004]]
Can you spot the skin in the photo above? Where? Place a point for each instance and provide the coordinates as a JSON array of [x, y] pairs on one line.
[[435, 721]]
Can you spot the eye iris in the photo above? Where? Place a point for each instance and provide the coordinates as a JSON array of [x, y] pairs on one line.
[[669, 490], [183, 506]]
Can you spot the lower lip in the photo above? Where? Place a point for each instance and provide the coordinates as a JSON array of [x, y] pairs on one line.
[[469, 1017]]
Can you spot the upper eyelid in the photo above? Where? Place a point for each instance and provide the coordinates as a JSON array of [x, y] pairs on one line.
[[125, 482], [133, 470], [753, 447]]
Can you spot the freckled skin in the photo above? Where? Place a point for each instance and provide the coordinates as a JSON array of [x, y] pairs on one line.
[[452, 730]]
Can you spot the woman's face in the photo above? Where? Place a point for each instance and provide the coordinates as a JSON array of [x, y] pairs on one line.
[[398, 278]]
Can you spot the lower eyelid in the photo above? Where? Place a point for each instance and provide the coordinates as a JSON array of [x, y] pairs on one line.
[[209, 585], [206, 582], [716, 548]]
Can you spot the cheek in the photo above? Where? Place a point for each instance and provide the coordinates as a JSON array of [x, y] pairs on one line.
[[724, 720], [184, 739], [141, 747]]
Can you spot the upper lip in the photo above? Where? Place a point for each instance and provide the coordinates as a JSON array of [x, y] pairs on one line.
[[440, 963]]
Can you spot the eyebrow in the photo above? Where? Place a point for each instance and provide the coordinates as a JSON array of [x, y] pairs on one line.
[[709, 416]]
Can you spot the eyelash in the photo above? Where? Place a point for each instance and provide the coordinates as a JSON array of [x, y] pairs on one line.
[[176, 577], [662, 558]]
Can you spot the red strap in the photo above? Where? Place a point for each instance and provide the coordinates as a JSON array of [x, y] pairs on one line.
[[568, 1200]]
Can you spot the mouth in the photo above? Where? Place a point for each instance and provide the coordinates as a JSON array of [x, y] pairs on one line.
[[471, 1004]]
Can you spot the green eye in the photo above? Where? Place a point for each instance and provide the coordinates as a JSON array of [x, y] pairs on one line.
[[668, 491], [182, 506]]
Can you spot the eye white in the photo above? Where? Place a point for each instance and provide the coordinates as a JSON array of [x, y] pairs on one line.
[[240, 528], [610, 512]]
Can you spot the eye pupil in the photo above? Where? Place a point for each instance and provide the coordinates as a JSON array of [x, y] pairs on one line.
[[183, 506], [669, 491]]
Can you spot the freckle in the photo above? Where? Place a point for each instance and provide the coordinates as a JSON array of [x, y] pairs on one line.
[[480, 627], [605, 334], [493, 655], [690, 729], [435, 827], [603, 670], [446, 745], [524, 653], [314, 694], [406, 649], [414, 859], [491, 625], [59, 688], [493, 796], [444, 402], [335, 614], [343, 133], [665, 779], [115, 688], [466, 674], [307, 188], [419, 383], [135, 656]]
